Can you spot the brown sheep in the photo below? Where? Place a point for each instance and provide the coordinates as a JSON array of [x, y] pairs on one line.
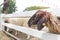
[[41, 17]]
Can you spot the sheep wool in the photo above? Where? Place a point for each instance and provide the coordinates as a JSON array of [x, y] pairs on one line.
[[54, 24]]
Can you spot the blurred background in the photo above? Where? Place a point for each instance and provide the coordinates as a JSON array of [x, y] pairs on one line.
[[22, 5]]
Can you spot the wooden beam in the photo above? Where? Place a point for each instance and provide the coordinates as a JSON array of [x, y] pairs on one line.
[[40, 34], [12, 35]]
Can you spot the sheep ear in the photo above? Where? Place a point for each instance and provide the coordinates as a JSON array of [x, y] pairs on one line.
[[30, 20], [40, 23]]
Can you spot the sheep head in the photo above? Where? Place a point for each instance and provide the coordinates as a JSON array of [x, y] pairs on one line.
[[39, 18]]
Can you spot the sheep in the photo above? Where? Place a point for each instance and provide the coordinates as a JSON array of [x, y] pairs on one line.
[[43, 17], [17, 21]]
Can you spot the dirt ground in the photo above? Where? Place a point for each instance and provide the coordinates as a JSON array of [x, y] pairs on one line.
[[3, 36]]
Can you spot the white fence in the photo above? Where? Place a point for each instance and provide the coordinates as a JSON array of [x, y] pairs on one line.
[[40, 34]]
